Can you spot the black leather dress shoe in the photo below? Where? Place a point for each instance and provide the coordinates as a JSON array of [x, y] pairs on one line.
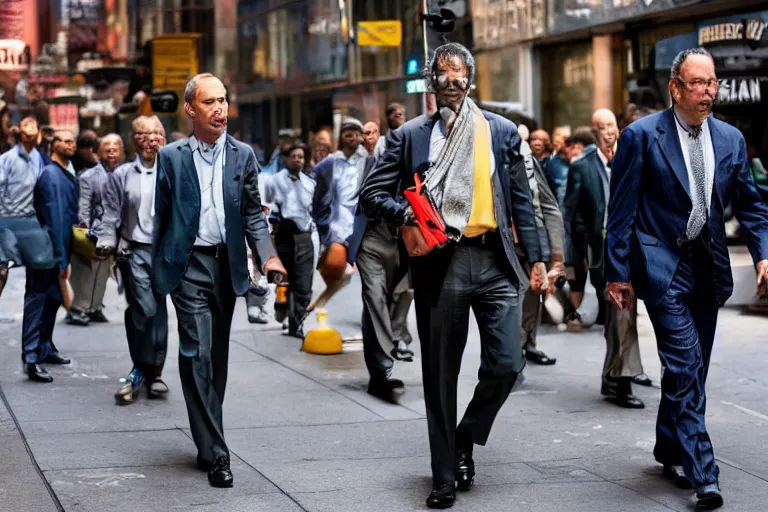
[[98, 317], [388, 389], [642, 380], [220, 475], [55, 358], [37, 373], [629, 401], [77, 318], [709, 498], [442, 497], [676, 474], [619, 391], [539, 357], [465, 469]]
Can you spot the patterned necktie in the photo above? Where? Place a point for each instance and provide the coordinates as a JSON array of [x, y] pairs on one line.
[[698, 217]]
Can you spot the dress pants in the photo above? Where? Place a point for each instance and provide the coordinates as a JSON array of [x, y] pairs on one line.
[[205, 303], [532, 309], [382, 263], [622, 355], [42, 300], [146, 318], [297, 253], [477, 279], [89, 283], [684, 322]]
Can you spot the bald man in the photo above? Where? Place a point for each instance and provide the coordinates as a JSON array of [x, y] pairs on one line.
[[371, 135], [90, 275], [587, 197]]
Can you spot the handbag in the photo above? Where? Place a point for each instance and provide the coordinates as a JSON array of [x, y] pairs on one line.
[[428, 219], [81, 244], [33, 242]]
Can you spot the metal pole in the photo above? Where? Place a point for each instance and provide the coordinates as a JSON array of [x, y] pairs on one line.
[[425, 8]]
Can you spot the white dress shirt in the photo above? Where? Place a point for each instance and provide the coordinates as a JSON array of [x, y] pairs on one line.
[[292, 197], [709, 159], [142, 232], [438, 139], [209, 163]]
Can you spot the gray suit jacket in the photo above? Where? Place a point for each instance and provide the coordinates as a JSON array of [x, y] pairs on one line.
[[177, 214], [92, 183]]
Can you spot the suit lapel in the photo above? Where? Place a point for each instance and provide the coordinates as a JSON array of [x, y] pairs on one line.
[[421, 144], [231, 187], [189, 177], [723, 154], [671, 149]]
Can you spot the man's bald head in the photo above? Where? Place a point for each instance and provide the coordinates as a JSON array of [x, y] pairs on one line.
[[111, 151], [606, 131], [371, 135]]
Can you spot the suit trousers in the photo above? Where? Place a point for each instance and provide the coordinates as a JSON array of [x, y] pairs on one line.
[[146, 318], [42, 299], [296, 251], [532, 309], [89, 283], [478, 278], [622, 355], [383, 268], [205, 303], [684, 322]]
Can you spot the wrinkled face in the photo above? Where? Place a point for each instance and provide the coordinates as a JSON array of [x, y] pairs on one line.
[[606, 132], [695, 89], [148, 140], [64, 144], [29, 132], [451, 83], [370, 136], [351, 139], [539, 142], [396, 119], [109, 153], [295, 160], [209, 109]]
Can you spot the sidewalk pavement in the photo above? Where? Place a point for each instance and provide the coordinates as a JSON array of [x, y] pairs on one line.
[[304, 434]]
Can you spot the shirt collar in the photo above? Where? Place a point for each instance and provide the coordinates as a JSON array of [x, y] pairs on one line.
[[195, 143], [145, 170], [23, 152], [602, 157]]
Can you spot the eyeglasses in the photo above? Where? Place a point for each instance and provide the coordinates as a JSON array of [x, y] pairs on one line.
[[148, 137], [461, 83], [700, 85]]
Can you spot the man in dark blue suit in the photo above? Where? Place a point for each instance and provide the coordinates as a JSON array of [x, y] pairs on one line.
[[56, 202], [471, 163], [672, 175], [206, 205]]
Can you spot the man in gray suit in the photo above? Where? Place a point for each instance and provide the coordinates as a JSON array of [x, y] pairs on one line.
[[207, 204]]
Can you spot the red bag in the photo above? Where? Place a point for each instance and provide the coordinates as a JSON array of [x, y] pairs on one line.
[[428, 219]]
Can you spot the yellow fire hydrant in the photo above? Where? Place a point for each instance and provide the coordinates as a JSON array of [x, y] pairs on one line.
[[323, 339]]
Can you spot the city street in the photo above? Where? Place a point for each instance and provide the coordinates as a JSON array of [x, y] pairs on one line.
[[305, 435]]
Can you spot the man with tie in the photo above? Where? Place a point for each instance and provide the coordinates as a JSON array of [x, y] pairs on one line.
[[586, 200], [673, 173], [207, 204]]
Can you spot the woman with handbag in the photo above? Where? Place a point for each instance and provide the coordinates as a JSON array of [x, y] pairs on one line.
[[90, 271]]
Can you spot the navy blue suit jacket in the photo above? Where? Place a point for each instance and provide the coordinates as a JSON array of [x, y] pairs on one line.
[[651, 203], [408, 153], [56, 203], [177, 214]]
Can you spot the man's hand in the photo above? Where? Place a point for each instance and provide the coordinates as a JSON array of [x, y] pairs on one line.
[[539, 281], [762, 278], [621, 294], [554, 273], [65, 273], [414, 241], [274, 264]]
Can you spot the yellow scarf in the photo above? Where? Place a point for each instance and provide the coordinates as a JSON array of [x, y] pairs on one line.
[[483, 217]]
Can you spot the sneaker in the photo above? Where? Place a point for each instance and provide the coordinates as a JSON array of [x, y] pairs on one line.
[[130, 387], [77, 318], [257, 315]]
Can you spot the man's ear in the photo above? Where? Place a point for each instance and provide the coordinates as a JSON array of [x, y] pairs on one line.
[[189, 109]]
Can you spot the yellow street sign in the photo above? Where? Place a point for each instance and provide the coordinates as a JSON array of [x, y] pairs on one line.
[[379, 33]]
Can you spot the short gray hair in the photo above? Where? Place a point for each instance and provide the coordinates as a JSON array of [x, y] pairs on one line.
[[190, 91], [674, 71], [448, 52]]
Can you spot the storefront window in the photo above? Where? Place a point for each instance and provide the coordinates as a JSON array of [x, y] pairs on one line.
[[567, 84], [497, 76], [327, 52]]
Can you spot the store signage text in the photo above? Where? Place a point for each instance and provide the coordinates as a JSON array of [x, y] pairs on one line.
[[416, 86], [743, 91], [13, 55], [749, 30]]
